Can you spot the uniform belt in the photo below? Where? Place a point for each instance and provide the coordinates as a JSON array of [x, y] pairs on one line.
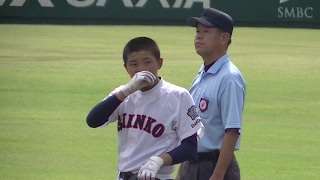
[[129, 176], [205, 156]]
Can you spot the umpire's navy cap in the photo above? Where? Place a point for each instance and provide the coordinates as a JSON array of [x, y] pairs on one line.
[[212, 17]]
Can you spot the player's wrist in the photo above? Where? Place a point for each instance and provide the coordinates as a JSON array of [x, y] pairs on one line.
[[120, 95], [158, 160], [125, 91], [151, 167]]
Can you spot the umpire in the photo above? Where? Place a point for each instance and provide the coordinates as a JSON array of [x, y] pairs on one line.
[[219, 93]]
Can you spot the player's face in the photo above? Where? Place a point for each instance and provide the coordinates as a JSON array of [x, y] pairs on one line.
[[209, 40], [142, 61]]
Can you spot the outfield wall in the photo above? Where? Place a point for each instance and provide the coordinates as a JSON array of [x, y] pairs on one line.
[[250, 11]]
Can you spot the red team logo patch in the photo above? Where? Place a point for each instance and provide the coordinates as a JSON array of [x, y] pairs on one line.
[[203, 105]]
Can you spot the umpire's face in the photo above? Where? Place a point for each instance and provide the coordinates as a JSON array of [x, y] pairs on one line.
[[210, 41], [142, 61]]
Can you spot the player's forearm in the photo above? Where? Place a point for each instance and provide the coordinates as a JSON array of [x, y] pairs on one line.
[[185, 151], [120, 95], [226, 153], [101, 112], [167, 159]]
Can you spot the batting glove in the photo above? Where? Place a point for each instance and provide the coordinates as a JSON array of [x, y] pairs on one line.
[[149, 170], [138, 81]]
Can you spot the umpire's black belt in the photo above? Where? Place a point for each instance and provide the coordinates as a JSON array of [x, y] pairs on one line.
[[205, 156]]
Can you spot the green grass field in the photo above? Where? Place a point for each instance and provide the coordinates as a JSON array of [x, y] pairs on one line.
[[51, 76]]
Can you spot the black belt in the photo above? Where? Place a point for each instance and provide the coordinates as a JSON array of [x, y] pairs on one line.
[[130, 176], [205, 156]]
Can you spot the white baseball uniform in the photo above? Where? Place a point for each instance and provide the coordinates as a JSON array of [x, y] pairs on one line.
[[153, 122]]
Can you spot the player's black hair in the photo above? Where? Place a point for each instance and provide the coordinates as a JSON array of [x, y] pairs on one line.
[[141, 44]]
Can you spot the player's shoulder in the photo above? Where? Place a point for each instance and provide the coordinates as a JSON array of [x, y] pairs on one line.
[[173, 88]]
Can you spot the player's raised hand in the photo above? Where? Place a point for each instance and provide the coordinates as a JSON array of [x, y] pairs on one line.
[[138, 81], [149, 170]]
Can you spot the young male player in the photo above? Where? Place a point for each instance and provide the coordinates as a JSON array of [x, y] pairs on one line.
[[157, 121]]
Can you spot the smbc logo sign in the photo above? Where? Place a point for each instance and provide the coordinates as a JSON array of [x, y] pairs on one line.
[[127, 3], [285, 11]]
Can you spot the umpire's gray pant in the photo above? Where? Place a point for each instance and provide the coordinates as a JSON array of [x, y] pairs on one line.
[[202, 170]]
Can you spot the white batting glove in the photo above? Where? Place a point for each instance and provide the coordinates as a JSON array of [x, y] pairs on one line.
[[149, 170], [138, 81]]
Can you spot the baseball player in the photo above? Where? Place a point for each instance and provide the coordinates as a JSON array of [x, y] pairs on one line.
[[158, 123]]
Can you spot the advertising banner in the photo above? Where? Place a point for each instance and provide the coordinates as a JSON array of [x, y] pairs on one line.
[[176, 10]]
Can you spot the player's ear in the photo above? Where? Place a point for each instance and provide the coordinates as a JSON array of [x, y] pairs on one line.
[[125, 66], [160, 61]]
